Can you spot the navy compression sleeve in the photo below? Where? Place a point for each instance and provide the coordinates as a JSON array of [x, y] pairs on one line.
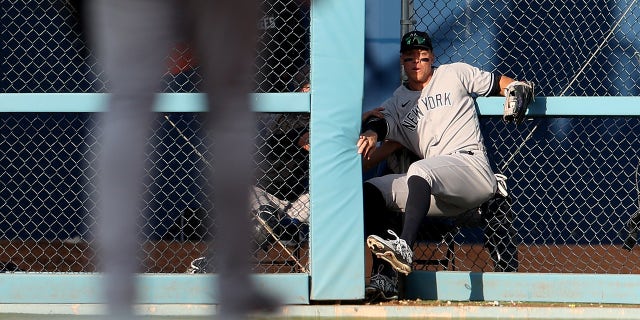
[[377, 125]]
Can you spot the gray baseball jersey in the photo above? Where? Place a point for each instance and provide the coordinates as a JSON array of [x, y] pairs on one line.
[[438, 123], [441, 119]]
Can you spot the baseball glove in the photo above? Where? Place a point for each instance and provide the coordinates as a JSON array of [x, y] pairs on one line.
[[519, 94]]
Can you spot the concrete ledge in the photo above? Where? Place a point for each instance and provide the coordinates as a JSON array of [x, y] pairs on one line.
[[354, 311], [526, 287], [464, 312]]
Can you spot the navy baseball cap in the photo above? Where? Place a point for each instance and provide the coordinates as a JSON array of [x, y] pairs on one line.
[[415, 40]]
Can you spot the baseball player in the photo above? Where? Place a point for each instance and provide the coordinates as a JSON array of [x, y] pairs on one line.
[[433, 115]]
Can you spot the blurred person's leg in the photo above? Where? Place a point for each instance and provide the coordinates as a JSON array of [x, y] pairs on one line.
[[224, 33], [131, 38]]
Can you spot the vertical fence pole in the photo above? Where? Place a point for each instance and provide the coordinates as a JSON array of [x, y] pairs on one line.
[[406, 24]]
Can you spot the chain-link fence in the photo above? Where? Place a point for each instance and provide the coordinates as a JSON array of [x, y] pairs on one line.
[[47, 158], [568, 48], [573, 188], [48, 194], [44, 48], [573, 182]]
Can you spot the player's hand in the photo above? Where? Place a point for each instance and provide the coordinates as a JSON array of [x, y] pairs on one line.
[[367, 143], [377, 112]]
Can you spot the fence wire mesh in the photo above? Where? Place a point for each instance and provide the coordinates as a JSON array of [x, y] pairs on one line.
[[47, 169], [44, 48], [48, 194], [573, 190], [569, 48], [574, 183]]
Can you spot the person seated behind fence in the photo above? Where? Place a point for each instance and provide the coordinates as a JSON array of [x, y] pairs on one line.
[[281, 196], [281, 190], [432, 114]]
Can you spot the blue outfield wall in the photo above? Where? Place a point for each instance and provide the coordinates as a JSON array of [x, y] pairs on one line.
[[337, 258], [337, 255], [529, 287], [337, 261]]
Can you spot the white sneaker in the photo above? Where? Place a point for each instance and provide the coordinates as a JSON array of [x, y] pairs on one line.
[[397, 252]]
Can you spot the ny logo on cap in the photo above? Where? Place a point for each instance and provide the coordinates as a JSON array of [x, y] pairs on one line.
[[415, 38]]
